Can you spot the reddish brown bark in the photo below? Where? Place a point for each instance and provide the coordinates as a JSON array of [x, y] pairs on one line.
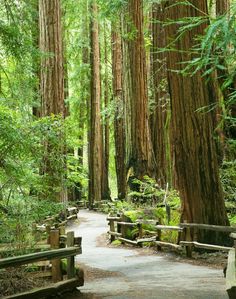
[[106, 127], [160, 96], [95, 136], [141, 152], [52, 71], [119, 122], [52, 92], [195, 155], [222, 7]]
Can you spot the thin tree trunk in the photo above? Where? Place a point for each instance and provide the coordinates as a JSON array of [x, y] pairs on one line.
[[106, 154], [119, 121], [142, 152], [36, 68], [95, 140], [194, 146]]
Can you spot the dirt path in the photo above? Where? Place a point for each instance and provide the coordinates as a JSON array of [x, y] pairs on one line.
[[127, 273]]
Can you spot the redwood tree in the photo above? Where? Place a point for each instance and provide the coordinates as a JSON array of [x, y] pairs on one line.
[[106, 126], [141, 152], [95, 135], [195, 157], [119, 121], [160, 97], [52, 90]]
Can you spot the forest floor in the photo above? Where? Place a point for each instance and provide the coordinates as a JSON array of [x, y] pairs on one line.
[[127, 273]]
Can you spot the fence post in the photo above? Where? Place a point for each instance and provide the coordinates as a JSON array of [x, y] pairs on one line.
[[158, 237], [62, 230], [70, 260], [112, 229], [122, 227], [48, 230], [140, 230], [56, 263], [188, 237]]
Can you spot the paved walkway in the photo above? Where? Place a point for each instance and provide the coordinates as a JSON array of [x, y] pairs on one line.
[[127, 274]]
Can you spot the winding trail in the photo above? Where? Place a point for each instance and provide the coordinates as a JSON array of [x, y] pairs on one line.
[[130, 273]]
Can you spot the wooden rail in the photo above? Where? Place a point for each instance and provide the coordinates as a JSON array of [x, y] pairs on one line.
[[216, 228], [74, 279], [39, 256], [187, 230], [188, 233], [119, 225]]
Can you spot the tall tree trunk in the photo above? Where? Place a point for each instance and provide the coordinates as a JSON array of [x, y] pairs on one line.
[[119, 121], [95, 138], [159, 113], [194, 147], [52, 89], [36, 68], [142, 152], [222, 7], [106, 148]]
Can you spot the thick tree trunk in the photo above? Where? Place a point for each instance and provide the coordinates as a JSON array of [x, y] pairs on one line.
[[95, 138], [52, 71], [142, 152], [194, 147], [119, 121], [160, 108], [52, 90]]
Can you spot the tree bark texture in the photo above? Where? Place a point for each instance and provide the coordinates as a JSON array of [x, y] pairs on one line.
[[142, 152], [119, 120], [159, 112], [222, 7], [52, 92], [195, 155], [95, 138], [52, 70], [106, 126]]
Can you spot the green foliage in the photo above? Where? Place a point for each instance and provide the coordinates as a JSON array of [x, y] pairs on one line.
[[150, 192], [116, 243], [228, 178], [17, 218]]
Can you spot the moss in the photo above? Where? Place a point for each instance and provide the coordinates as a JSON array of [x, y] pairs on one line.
[[116, 242]]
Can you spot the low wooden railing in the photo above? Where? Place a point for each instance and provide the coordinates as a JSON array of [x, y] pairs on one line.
[[189, 241], [231, 270], [73, 278], [188, 232]]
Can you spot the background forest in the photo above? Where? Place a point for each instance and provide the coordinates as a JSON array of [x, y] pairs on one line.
[[133, 100]]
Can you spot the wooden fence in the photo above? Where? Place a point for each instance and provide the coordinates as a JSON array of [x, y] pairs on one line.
[[58, 245], [188, 231]]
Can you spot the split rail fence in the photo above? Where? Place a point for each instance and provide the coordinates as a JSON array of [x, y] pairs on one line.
[[189, 232], [49, 254]]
